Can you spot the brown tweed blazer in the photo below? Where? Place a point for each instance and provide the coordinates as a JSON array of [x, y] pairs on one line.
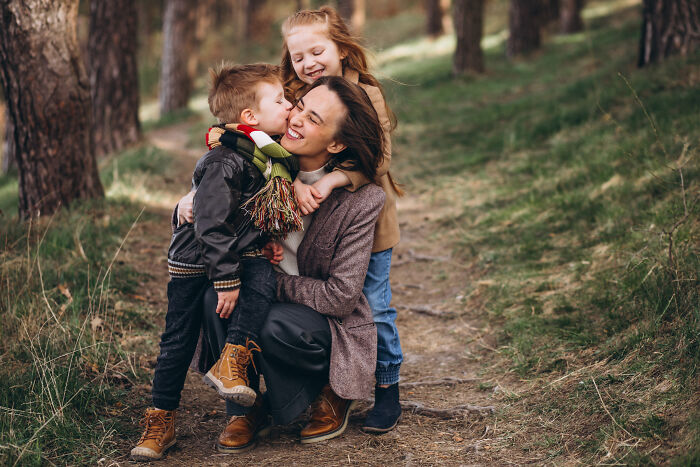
[[333, 259]]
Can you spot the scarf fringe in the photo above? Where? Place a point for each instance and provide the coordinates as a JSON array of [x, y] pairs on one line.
[[274, 208]]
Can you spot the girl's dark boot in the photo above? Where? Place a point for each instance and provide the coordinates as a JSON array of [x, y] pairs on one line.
[[386, 411]]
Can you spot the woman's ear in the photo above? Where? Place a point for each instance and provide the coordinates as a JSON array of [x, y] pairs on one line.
[[335, 147], [248, 117]]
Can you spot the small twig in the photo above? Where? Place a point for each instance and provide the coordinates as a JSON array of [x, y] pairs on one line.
[[438, 382]]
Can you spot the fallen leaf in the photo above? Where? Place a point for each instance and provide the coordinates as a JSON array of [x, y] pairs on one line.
[[65, 292], [96, 323]]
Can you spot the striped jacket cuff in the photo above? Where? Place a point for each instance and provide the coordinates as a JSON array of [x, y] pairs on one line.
[[182, 270], [228, 284]]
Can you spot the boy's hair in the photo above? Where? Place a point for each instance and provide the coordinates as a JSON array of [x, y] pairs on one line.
[[234, 88], [338, 32]]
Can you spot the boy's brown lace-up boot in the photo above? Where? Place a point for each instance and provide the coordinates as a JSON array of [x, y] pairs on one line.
[[329, 417], [229, 375], [242, 432], [158, 437]]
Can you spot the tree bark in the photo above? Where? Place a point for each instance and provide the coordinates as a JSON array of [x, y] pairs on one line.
[[668, 27], [570, 16], [548, 12], [524, 27], [433, 14], [469, 27], [112, 47], [48, 98], [179, 29], [9, 161]]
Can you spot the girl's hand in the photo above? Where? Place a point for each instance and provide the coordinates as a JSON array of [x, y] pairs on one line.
[[273, 252], [212, 137], [330, 182], [307, 197], [184, 209]]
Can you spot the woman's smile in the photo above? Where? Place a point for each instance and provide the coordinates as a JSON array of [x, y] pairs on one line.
[[291, 134]]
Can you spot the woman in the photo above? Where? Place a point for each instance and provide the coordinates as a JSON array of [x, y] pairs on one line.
[[319, 343]]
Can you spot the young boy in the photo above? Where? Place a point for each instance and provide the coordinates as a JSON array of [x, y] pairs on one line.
[[221, 247]]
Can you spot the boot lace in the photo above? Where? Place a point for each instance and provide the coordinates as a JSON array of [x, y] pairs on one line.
[[318, 406], [156, 425], [240, 359]]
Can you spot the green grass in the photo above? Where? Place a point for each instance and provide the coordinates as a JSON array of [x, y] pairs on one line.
[[64, 311], [563, 188]]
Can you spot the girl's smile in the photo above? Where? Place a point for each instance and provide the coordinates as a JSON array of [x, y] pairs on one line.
[[313, 53]]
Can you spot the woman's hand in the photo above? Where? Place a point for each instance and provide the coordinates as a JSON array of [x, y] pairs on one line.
[[227, 302], [273, 252], [307, 197], [184, 209]]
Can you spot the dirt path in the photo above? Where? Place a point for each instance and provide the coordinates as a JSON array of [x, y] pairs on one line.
[[453, 345]]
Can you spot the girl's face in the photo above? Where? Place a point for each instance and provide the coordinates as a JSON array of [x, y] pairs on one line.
[[313, 123], [313, 53]]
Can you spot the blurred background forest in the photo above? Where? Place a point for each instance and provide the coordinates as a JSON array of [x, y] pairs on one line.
[[550, 152]]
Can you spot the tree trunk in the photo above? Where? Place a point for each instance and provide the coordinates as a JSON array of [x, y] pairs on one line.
[[570, 16], [112, 47], [48, 97], [434, 13], [354, 14], [548, 12], [9, 161], [469, 27], [179, 29], [524, 27], [668, 27], [447, 23]]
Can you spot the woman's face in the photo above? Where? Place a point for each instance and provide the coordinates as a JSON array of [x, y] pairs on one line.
[[313, 53], [313, 123]]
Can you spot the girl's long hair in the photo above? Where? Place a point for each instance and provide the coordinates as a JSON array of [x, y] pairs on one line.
[[338, 32], [360, 130]]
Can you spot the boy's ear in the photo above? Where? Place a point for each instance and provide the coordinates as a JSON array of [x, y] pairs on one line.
[[248, 117], [335, 147]]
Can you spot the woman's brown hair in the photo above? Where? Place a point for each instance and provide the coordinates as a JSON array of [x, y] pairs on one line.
[[360, 130], [338, 32]]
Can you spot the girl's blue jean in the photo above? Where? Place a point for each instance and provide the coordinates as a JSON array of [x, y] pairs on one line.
[[377, 289]]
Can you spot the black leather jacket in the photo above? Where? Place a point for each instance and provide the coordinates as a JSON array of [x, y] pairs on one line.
[[224, 179]]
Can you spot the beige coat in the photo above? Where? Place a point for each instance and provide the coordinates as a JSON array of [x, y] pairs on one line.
[[386, 234], [333, 260]]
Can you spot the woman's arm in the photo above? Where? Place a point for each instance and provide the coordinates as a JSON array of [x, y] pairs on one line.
[[337, 296]]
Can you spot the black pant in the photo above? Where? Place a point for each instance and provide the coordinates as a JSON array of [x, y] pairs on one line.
[[295, 360], [186, 303]]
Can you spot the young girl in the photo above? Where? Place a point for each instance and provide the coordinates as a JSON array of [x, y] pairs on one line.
[[318, 43]]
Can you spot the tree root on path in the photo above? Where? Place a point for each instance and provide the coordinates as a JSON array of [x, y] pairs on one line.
[[446, 413], [426, 310], [413, 257], [438, 382]]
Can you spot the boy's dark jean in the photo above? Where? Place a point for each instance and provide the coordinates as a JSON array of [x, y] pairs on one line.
[[183, 323]]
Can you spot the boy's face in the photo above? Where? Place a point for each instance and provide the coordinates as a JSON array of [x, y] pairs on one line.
[[272, 109]]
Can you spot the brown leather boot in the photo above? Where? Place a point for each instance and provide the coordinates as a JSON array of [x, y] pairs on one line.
[[242, 431], [158, 437], [229, 375], [329, 417]]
